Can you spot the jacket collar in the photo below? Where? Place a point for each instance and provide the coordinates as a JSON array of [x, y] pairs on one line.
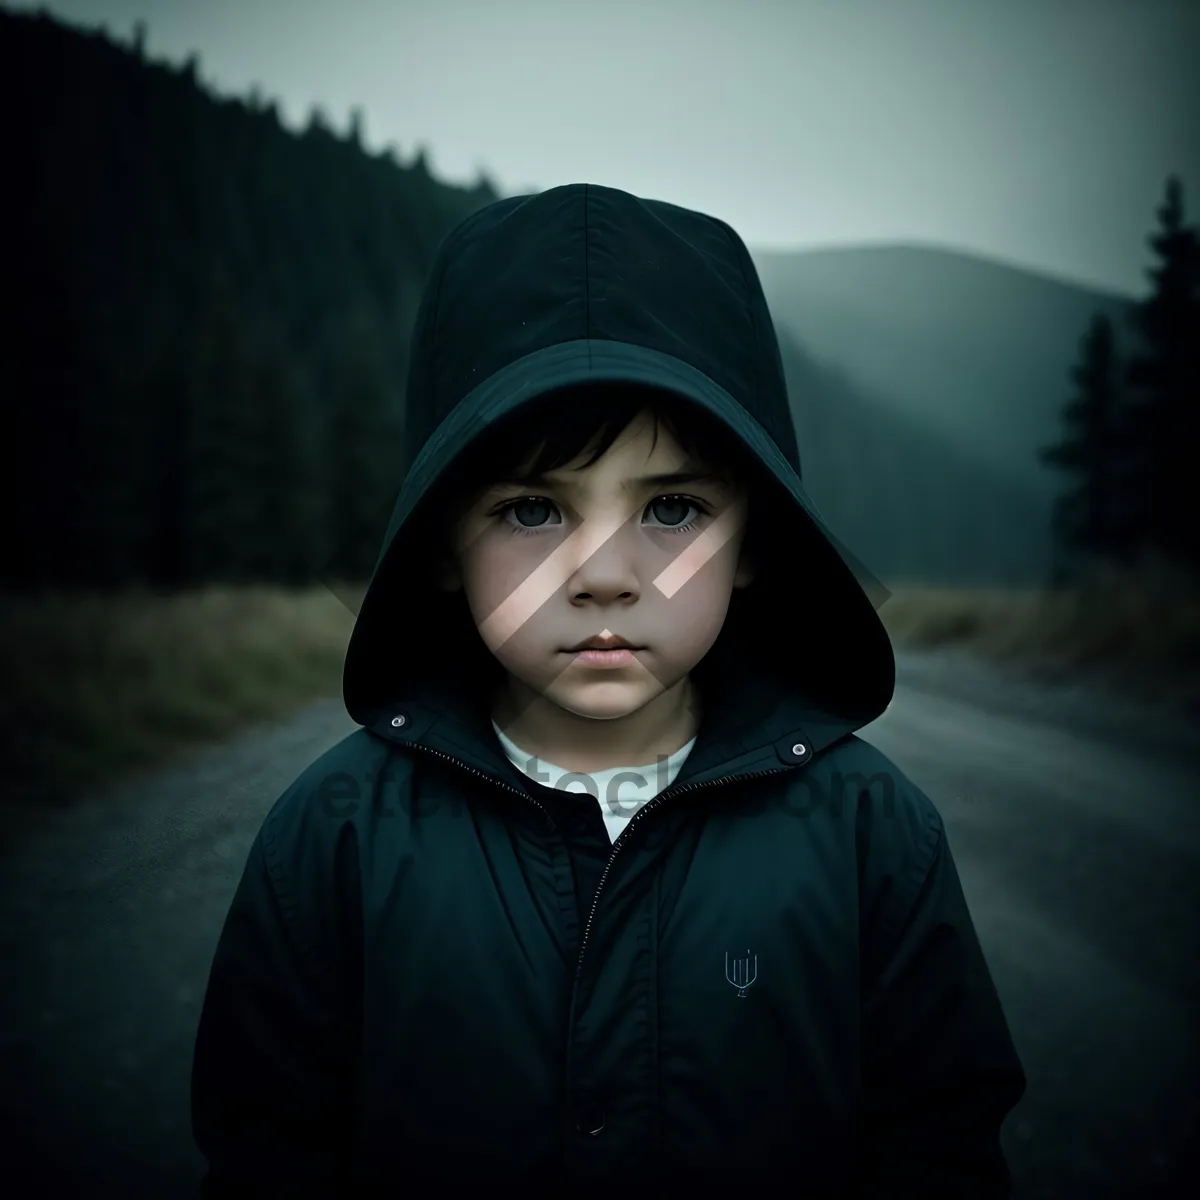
[[751, 724]]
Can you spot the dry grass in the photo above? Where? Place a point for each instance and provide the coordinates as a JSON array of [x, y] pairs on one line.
[[1138, 630], [94, 688]]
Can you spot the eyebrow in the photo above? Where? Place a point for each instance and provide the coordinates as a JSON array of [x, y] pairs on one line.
[[646, 481]]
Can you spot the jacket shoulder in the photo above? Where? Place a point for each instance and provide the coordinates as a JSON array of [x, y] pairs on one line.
[[335, 787], [887, 803], [304, 863], [899, 834]]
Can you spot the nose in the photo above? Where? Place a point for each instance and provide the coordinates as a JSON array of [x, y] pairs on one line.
[[608, 573]]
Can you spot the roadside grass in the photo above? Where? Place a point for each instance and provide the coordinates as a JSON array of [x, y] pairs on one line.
[[97, 688], [1136, 630]]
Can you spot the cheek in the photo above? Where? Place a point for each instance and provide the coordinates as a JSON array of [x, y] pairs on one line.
[[694, 615], [699, 598], [502, 593]]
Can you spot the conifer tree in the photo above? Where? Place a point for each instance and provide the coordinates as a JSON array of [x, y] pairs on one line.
[[363, 445], [220, 454], [173, 428], [1163, 381], [292, 533], [1090, 520]]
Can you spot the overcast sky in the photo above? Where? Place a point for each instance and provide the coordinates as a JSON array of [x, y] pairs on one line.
[[1039, 132]]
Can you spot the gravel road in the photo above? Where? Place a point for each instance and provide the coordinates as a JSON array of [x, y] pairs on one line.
[[1075, 820]]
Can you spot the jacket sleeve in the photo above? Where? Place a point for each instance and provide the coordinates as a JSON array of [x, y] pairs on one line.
[[274, 1053], [940, 1072]]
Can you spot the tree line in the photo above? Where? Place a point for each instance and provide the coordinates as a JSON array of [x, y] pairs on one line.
[[205, 333], [1132, 426], [206, 322]]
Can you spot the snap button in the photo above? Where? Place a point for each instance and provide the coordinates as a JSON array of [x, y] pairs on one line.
[[398, 721], [790, 752], [591, 1122]]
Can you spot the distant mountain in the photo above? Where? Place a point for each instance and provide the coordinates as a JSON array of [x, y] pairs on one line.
[[924, 382], [208, 320]]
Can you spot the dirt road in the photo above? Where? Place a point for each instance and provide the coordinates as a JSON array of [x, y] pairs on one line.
[[1075, 823]]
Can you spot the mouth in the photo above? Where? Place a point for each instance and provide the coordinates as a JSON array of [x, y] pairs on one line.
[[616, 656], [603, 645]]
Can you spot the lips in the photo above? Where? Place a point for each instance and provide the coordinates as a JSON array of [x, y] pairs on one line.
[[602, 643]]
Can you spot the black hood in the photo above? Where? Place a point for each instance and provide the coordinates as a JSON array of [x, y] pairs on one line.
[[584, 284]]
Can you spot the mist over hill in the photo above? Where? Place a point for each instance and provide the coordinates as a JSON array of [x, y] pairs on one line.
[[208, 333], [923, 383]]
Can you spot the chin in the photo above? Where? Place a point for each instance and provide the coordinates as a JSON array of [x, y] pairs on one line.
[[607, 708]]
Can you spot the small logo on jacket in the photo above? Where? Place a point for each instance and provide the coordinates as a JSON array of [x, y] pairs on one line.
[[745, 972]]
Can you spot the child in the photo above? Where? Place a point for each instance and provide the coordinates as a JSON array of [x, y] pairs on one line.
[[627, 920]]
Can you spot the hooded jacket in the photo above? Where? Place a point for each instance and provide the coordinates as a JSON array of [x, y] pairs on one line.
[[771, 977]]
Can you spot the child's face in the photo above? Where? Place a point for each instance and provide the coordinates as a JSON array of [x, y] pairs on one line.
[[600, 552]]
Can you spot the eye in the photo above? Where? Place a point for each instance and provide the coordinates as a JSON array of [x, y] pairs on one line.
[[529, 502], [675, 508], [673, 505]]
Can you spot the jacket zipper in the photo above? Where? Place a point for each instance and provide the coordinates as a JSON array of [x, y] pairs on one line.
[[490, 778], [621, 840]]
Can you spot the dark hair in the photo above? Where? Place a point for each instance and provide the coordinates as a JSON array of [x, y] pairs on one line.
[[564, 423]]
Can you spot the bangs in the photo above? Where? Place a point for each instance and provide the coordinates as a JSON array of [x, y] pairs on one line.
[[559, 428], [562, 426]]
